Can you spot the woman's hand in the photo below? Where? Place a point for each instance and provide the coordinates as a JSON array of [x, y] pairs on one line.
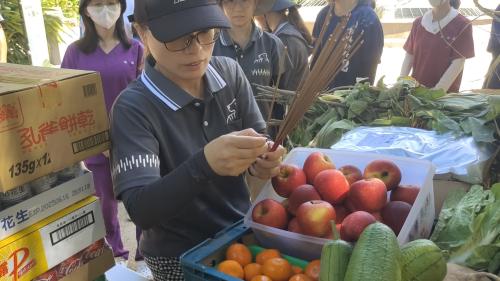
[[267, 166], [232, 154]]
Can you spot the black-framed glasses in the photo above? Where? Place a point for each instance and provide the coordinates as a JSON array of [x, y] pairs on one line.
[[205, 37]]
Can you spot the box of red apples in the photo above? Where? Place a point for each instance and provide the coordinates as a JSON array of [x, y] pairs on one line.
[[295, 210]]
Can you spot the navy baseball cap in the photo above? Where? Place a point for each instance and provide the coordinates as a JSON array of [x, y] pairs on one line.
[[281, 5], [171, 19]]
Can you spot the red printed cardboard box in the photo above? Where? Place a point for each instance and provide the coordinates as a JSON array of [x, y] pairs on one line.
[[77, 261], [49, 119], [51, 241]]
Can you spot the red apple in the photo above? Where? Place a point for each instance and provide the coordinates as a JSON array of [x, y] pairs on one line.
[[386, 170], [351, 173], [395, 214], [340, 212], [332, 186], [300, 195], [315, 163], [289, 178], [405, 193], [354, 224], [314, 217], [293, 226], [368, 195], [271, 213]]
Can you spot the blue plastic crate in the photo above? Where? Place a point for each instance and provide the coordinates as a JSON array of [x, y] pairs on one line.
[[198, 263]]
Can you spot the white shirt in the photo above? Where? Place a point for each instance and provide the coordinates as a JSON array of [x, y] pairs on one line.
[[434, 26]]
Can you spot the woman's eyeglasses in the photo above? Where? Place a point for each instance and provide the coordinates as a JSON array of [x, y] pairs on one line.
[[206, 37]]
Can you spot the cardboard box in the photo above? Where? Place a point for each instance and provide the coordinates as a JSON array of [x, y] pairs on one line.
[[93, 269], [443, 185], [32, 251], [49, 119], [77, 261], [41, 206]]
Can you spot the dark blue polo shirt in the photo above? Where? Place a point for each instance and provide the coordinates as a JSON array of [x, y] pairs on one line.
[[259, 59], [159, 169], [298, 51], [364, 63]]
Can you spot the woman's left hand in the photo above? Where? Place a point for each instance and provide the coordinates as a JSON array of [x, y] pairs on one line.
[[267, 166]]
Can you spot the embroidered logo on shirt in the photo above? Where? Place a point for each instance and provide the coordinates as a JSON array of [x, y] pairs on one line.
[[129, 163], [261, 72], [178, 1], [261, 58], [231, 107]]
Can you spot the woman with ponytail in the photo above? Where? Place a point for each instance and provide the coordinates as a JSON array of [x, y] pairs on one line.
[[285, 22], [438, 45]]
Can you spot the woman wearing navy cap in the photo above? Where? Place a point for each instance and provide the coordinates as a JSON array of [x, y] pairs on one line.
[[184, 134], [285, 22]]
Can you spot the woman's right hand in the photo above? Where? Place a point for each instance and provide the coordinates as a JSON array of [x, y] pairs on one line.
[[232, 154]]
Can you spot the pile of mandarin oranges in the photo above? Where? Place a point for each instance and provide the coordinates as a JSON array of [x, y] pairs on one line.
[[268, 266]]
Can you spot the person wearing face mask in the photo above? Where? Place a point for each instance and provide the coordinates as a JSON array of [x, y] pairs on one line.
[[184, 134], [259, 53], [105, 48], [285, 22], [363, 22], [439, 43]]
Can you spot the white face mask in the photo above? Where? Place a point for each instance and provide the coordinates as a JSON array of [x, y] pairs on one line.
[[106, 15], [435, 3]]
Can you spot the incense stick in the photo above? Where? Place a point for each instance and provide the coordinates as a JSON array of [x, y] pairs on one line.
[[338, 49]]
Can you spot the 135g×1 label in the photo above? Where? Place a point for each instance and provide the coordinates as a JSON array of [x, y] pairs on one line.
[[28, 167]]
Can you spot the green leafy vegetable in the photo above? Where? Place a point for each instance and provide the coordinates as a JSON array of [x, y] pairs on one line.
[[469, 228]]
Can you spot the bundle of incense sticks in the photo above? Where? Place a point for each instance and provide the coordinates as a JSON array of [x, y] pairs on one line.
[[337, 50]]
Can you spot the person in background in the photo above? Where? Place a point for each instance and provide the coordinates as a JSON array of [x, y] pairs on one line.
[[285, 22], [3, 42], [363, 65], [493, 80], [260, 54], [439, 43], [128, 23], [107, 49], [184, 133]]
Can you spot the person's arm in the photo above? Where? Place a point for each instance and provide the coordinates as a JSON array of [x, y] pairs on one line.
[[462, 49], [407, 65], [282, 64], [3, 45], [456, 67], [409, 47], [151, 198]]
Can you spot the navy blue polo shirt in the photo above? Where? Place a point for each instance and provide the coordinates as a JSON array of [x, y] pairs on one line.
[[159, 169], [259, 59], [298, 51], [365, 62]]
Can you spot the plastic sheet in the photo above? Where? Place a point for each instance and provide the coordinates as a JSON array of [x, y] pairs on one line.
[[462, 157]]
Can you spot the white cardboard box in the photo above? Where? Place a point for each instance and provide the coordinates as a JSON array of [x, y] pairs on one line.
[[36, 249], [41, 206]]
